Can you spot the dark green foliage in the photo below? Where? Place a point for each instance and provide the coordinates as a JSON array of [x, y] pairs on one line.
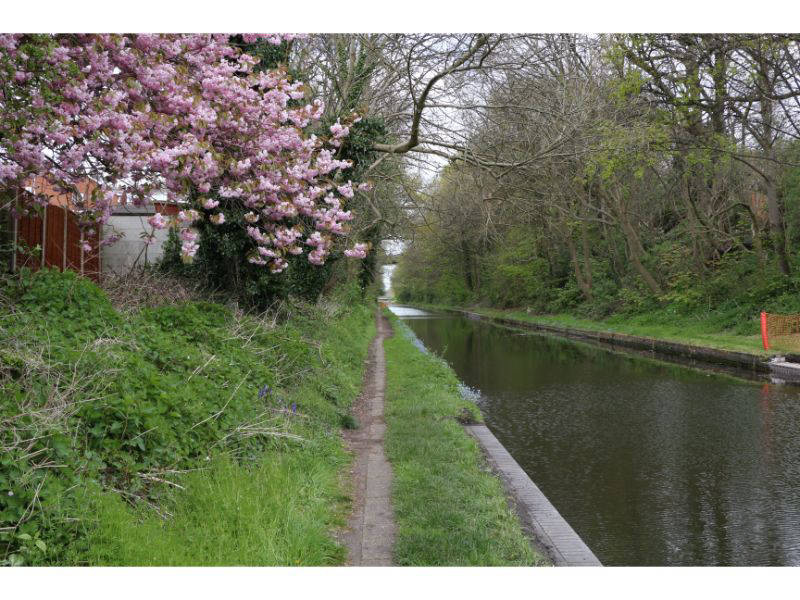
[[516, 276], [270, 56], [308, 281], [220, 262], [723, 294], [357, 147], [91, 397]]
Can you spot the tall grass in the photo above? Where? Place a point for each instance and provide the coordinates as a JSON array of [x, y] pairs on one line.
[[278, 511], [180, 434]]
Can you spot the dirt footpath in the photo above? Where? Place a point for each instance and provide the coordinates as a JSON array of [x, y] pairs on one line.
[[370, 534]]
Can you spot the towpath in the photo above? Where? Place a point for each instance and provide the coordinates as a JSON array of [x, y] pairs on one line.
[[370, 534]]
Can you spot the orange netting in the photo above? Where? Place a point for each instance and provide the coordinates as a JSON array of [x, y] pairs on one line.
[[781, 329]]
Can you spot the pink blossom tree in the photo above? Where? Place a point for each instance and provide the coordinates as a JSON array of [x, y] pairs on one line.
[[183, 113]]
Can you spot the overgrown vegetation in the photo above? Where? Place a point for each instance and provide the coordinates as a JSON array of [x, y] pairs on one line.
[[448, 508], [721, 311], [672, 200], [110, 422]]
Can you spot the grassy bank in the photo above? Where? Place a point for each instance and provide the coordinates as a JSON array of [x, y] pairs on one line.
[[658, 326], [449, 509], [187, 434]]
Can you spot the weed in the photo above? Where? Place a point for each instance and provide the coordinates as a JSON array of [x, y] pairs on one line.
[[95, 404]]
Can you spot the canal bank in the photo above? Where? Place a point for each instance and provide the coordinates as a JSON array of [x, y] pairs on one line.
[[450, 510], [547, 531], [734, 362], [542, 522]]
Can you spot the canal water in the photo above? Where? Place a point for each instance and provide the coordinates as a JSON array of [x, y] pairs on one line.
[[651, 463]]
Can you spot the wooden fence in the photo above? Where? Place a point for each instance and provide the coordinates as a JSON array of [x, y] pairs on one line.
[[53, 239]]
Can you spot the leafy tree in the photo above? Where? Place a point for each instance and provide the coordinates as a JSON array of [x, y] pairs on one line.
[[185, 113]]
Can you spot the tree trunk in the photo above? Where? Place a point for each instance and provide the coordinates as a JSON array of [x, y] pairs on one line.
[[587, 255], [585, 287], [637, 252], [776, 227], [700, 221], [466, 257], [758, 247], [766, 139]]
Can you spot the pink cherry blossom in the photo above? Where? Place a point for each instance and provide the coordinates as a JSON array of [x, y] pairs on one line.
[[157, 221], [357, 251], [184, 114], [346, 190], [187, 217]]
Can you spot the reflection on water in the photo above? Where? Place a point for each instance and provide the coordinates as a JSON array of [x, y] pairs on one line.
[[652, 464], [408, 312]]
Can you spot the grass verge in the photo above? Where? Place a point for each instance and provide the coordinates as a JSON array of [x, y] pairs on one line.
[[449, 509]]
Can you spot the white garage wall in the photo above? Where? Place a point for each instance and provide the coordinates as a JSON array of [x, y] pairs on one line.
[[121, 256]]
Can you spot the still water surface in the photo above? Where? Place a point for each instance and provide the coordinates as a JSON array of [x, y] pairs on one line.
[[651, 463]]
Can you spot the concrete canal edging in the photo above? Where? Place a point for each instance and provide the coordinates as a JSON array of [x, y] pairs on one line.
[[713, 356], [539, 517]]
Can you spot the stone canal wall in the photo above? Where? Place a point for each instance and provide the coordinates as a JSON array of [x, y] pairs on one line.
[[539, 517]]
